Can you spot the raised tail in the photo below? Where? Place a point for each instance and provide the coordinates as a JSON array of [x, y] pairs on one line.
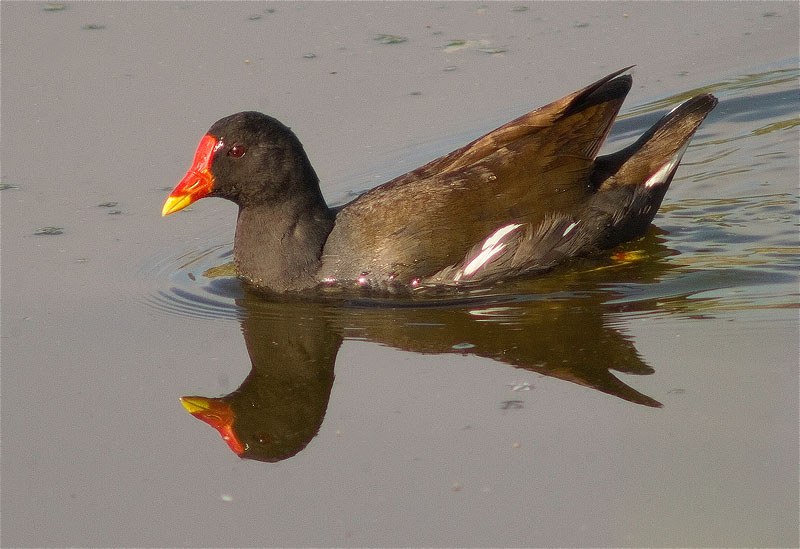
[[653, 158], [630, 184]]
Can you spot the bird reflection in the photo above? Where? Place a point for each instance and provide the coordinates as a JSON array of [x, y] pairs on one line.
[[557, 325]]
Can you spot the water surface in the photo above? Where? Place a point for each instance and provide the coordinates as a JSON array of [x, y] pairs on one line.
[[648, 397]]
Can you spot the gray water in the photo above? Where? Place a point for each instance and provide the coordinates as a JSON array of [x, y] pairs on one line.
[[646, 398]]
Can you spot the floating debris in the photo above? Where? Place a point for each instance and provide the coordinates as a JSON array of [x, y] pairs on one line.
[[415, 93], [226, 269], [5, 186], [115, 212], [481, 45], [54, 6], [493, 50], [628, 256], [108, 205], [524, 386], [93, 26], [456, 45], [450, 68], [512, 405], [462, 346], [580, 25], [257, 16], [390, 39], [226, 497], [49, 230], [309, 56], [519, 8]]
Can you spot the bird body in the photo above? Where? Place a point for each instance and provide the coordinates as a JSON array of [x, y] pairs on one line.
[[516, 201]]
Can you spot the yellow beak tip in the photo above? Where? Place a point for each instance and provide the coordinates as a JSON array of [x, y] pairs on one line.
[[194, 404], [175, 203]]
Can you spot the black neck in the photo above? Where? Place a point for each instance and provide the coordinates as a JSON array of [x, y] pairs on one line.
[[278, 246]]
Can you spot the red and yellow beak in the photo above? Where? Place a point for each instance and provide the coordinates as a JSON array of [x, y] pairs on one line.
[[197, 183], [218, 414]]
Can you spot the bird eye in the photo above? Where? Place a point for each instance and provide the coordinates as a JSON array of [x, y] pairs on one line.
[[236, 151]]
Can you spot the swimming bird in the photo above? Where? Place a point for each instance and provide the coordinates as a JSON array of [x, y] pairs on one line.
[[515, 202]]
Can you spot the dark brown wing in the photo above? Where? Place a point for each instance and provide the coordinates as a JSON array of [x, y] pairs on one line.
[[428, 219]]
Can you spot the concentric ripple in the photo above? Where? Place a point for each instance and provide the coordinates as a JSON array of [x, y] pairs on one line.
[[198, 283]]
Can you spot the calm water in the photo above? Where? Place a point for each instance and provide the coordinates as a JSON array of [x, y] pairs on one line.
[[645, 398]]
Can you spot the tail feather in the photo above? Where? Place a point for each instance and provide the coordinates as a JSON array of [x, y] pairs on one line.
[[652, 159], [631, 183]]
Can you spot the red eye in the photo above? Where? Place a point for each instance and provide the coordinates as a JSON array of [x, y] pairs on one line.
[[236, 151]]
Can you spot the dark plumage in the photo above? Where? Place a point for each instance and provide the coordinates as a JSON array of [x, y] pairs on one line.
[[518, 200]]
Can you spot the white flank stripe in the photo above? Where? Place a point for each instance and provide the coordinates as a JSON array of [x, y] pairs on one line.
[[482, 258], [498, 234], [491, 247], [569, 229]]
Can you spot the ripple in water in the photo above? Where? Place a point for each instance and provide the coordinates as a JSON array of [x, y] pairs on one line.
[[198, 283]]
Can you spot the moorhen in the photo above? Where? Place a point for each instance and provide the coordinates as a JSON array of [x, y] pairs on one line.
[[518, 200]]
